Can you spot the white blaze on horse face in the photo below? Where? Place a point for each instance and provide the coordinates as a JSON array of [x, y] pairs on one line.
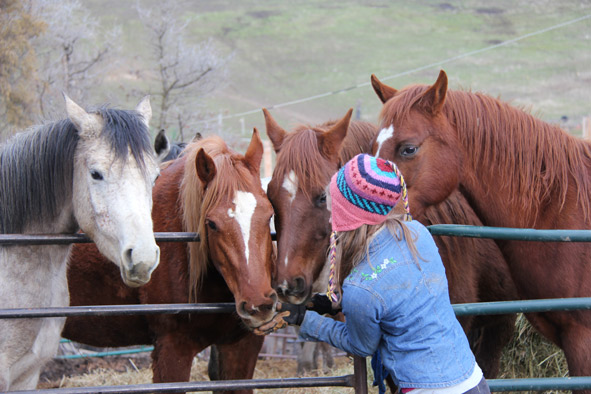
[[290, 184], [113, 205], [384, 135], [245, 204]]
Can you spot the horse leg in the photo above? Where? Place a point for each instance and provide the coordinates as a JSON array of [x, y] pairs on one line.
[[307, 358], [235, 361], [172, 358], [327, 356]]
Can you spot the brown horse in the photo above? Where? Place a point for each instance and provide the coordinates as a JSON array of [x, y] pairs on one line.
[[306, 159], [216, 192], [515, 171]]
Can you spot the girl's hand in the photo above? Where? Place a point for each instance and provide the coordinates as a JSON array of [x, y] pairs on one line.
[[296, 313], [321, 304]]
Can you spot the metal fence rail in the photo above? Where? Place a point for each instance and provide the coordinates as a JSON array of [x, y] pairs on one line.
[[359, 379]]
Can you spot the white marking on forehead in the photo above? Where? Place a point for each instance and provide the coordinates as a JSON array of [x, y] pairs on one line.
[[290, 183], [245, 204], [384, 135]]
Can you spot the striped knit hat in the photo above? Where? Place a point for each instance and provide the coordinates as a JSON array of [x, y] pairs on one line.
[[364, 191]]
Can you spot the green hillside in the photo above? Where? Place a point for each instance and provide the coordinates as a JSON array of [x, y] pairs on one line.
[[291, 50]]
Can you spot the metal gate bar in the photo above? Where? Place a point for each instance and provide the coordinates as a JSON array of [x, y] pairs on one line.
[[336, 381]]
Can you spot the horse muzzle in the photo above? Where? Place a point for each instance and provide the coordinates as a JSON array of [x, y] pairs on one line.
[[138, 264], [259, 313]]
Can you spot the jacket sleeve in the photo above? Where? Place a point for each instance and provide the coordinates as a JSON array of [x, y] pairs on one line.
[[360, 334]]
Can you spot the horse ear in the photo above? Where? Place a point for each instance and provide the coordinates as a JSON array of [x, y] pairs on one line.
[[205, 167], [145, 109], [274, 131], [254, 153], [85, 123], [161, 145], [433, 99], [384, 92], [330, 142]]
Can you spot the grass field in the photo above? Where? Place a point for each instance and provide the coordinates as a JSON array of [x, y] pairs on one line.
[[284, 51]]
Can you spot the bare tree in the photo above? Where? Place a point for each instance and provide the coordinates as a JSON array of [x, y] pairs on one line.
[[74, 54], [184, 72], [17, 65]]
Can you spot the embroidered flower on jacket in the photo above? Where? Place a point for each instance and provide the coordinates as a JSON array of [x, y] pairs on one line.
[[377, 270]]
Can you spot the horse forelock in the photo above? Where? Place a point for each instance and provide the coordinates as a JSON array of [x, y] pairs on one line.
[[507, 138], [36, 172], [300, 153], [126, 132], [397, 109], [231, 175]]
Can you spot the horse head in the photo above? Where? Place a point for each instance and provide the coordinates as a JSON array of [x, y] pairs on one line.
[[417, 133], [306, 160], [114, 171], [234, 226]]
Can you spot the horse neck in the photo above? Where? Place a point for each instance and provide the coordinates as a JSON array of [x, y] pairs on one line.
[[521, 171], [36, 186]]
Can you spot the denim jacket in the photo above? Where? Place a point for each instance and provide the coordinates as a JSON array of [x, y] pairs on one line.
[[392, 304]]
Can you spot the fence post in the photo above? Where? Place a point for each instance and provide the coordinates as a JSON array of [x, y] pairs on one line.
[[359, 375], [587, 127]]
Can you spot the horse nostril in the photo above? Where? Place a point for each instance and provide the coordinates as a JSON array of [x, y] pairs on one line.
[[273, 296], [244, 311], [300, 285]]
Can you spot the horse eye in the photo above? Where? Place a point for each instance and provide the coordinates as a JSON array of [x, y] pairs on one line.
[[97, 176], [321, 200], [408, 151], [211, 225]]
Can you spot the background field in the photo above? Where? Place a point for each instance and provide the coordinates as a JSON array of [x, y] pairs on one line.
[[291, 50]]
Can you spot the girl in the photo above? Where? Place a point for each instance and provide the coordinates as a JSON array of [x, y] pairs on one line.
[[394, 296]]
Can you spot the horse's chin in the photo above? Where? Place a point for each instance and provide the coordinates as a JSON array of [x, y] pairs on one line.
[[295, 298], [253, 324], [134, 282]]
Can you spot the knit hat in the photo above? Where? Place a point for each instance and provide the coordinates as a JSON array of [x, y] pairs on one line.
[[364, 191]]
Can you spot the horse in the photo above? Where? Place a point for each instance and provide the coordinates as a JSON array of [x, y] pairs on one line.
[[216, 192], [166, 150], [515, 170], [92, 171], [307, 157]]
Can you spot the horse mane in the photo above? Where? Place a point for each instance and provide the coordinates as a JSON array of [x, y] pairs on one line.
[[197, 201], [510, 138], [359, 139], [37, 165], [300, 153]]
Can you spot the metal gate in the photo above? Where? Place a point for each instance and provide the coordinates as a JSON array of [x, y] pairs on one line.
[[358, 380]]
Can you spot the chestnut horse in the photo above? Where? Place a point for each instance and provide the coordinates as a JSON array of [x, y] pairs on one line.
[[516, 171], [306, 159], [216, 192]]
